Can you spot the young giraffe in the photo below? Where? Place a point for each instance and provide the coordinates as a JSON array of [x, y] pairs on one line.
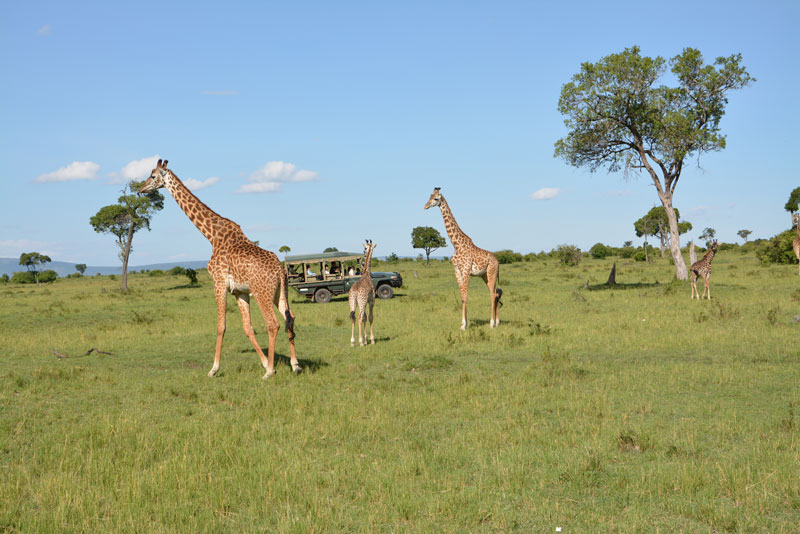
[[236, 266], [469, 260], [796, 242], [363, 294], [703, 268]]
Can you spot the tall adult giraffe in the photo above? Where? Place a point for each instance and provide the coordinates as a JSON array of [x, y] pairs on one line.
[[469, 260], [796, 242], [236, 266], [363, 294]]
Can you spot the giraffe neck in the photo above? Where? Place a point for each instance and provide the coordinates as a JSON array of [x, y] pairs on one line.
[[709, 256], [204, 218], [454, 232], [367, 263]]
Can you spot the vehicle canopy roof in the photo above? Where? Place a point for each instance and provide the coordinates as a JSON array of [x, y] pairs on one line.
[[323, 256]]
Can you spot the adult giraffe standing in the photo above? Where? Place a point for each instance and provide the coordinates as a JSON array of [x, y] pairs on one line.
[[236, 266], [469, 260]]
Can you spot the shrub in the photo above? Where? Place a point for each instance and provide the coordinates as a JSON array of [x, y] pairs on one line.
[[48, 276], [23, 277], [640, 256], [392, 258], [178, 270], [155, 272], [568, 254], [4, 279], [626, 252], [599, 251], [191, 274], [728, 246], [507, 256], [778, 249]]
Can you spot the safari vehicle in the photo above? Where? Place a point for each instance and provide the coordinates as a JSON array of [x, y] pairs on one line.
[[321, 276]]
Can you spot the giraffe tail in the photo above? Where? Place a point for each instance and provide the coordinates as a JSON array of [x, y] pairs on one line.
[[289, 324], [498, 295], [352, 315], [287, 313]]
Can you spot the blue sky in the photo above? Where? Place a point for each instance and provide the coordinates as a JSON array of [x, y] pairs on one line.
[[316, 124]]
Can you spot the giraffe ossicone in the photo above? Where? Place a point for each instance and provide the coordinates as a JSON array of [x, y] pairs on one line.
[[237, 266]]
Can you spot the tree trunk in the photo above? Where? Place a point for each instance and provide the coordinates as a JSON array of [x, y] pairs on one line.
[[612, 278], [125, 257], [692, 253], [681, 272], [663, 236]]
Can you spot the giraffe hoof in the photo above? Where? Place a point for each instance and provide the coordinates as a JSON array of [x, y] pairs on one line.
[[268, 374], [212, 373], [297, 369], [372, 342]]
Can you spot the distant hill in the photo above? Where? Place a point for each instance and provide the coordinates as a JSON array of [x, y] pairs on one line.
[[11, 265]]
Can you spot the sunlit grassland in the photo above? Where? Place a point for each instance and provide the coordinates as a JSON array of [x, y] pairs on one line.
[[629, 410]]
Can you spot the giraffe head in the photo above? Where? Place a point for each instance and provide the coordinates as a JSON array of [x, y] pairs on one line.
[[368, 246], [435, 200], [157, 178], [714, 245]]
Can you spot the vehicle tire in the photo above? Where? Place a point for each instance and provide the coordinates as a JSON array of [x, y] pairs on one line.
[[322, 295], [385, 291]]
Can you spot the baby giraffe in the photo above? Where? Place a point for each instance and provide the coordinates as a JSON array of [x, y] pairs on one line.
[[703, 268], [363, 294]]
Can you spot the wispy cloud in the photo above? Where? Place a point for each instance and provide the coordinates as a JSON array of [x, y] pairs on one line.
[[44, 30], [705, 212], [12, 248], [271, 177], [77, 170], [220, 93], [135, 170], [546, 193], [195, 185]]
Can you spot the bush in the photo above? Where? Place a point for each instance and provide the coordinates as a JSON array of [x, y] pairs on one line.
[[155, 272], [626, 252], [23, 277], [778, 249], [191, 274], [177, 270], [640, 256], [4, 279], [599, 251], [45, 277], [392, 258], [507, 256], [568, 254], [728, 246]]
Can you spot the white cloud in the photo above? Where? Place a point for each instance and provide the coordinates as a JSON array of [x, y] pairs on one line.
[[139, 169], [77, 170], [195, 185], [271, 177], [546, 193], [44, 30]]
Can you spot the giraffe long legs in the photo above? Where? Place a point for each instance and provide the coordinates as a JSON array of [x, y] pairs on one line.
[[491, 282], [694, 285], [268, 312], [281, 301], [243, 300], [219, 292], [371, 334]]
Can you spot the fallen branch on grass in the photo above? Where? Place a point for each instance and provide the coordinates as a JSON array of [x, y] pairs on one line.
[[88, 352]]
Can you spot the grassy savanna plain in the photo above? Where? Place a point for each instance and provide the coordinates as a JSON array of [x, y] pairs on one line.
[[594, 410]]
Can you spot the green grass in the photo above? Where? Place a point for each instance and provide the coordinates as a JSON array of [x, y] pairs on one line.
[[631, 409]]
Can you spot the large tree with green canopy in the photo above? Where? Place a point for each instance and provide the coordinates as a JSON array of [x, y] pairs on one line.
[[620, 119], [131, 213]]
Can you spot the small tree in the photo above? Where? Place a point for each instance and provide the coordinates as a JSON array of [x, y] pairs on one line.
[[80, 267], [620, 118], [331, 249], [708, 236], [793, 202], [428, 239], [284, 250], [191, 274], [131, 213], [31, 260], [745, 233], [657, 222]]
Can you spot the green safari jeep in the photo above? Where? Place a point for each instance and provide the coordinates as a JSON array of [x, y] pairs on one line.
[[321, 276]]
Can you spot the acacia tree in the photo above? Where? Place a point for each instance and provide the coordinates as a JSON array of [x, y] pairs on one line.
[[31, 260], [619, 119], [745, 233], [131, 213], [80, 267], [428, 239], [708, 235], [285, 249], [658, 224]]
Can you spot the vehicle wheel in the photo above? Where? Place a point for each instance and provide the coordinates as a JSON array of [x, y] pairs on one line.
[[322, 295], [385, 291]]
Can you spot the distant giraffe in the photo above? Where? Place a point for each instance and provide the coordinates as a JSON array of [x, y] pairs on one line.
[[469, 260], [796, 242], [236, 266], [703, 268], [363, 294]]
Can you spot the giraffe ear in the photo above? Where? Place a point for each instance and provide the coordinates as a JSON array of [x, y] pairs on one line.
[[165, 163], [158, 165]]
